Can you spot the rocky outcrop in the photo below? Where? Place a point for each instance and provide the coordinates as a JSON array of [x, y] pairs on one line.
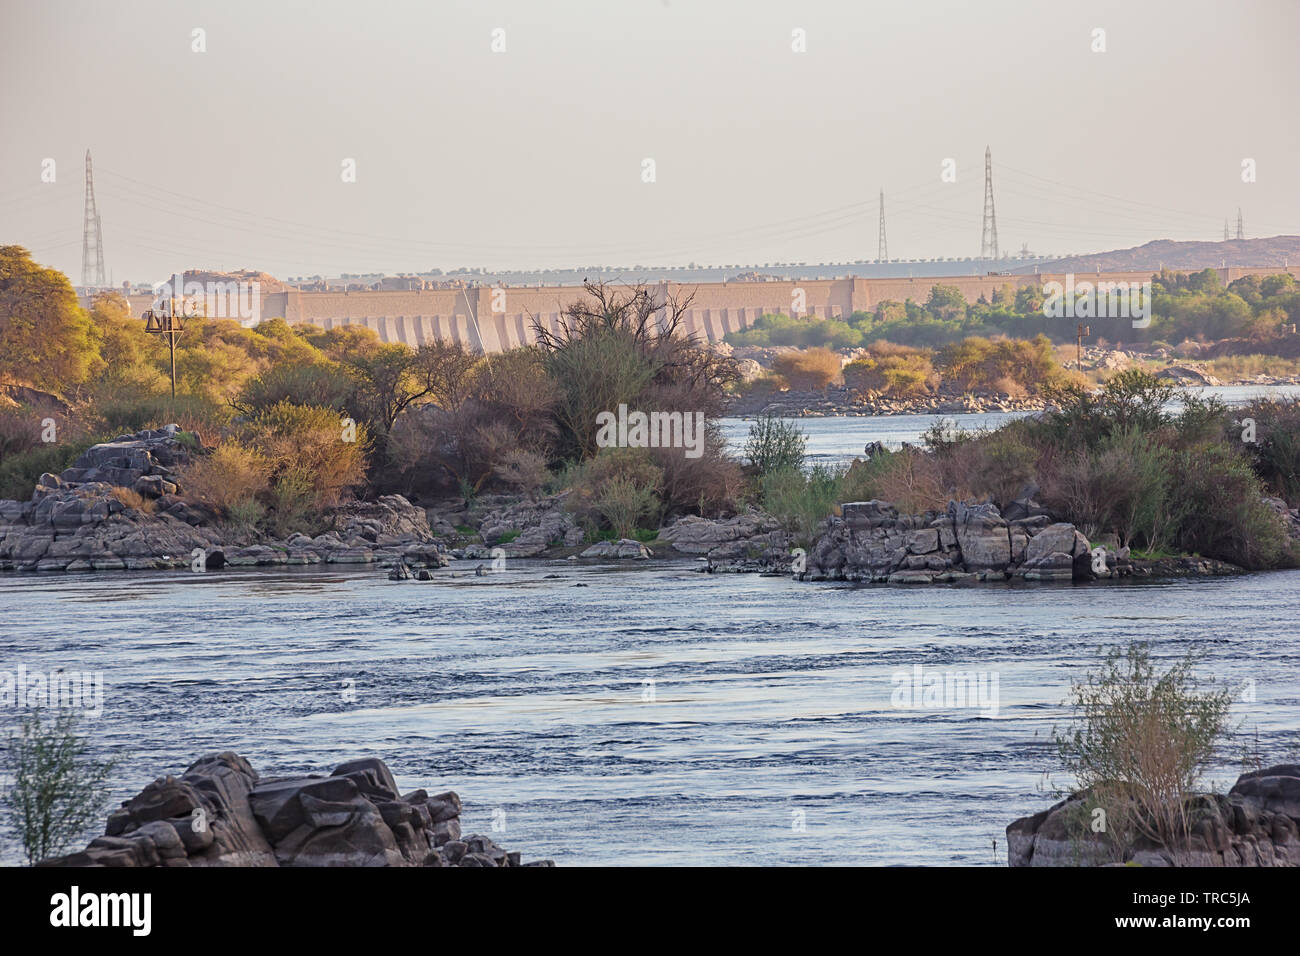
[[1255, 824], [531, 527], [622, 549], [221, 813], [691, 534], [748, 542], [81, 521], [871, 541]]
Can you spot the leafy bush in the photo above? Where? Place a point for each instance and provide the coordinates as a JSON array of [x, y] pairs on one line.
[[618, 487], [1003, 466], [1275, 452], [623, 502], [1140, 740], [319, 384], [58, 787], [801, 502], [627, 347], [308, 444], [1000, 365], [19, 473], [1125, 485], [892, 370], [775, 444], [295, 502], [1226, 517], [1132, 398]]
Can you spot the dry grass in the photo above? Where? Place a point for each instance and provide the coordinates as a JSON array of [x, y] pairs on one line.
[[810, 369], [232, 474], [133, 500]]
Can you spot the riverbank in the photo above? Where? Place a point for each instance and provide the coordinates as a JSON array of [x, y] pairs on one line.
[[80, 521], [839, 401]]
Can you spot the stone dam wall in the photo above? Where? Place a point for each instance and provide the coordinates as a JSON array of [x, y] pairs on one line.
[[495, 319]]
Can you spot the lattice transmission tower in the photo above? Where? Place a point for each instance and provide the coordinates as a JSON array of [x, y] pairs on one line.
[[92, 234], [989, 242], [883, 251], [1241, 231]]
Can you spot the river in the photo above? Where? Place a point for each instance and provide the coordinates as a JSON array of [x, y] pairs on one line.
[[836, 440], [771, 736]]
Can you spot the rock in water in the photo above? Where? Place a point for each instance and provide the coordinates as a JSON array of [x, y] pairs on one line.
[[1256, 824], [220, 813]]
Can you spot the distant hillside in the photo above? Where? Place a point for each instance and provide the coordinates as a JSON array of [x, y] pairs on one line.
[[1277, 251]]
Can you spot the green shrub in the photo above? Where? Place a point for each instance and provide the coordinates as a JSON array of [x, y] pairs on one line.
[[775, 444], [623, 502], [294, 503], [1275, 452], [616, 488], [1225, 516], [1124, 485], [57, 788], [801, 502], [309, 442], [896, 371], [1140, 740], [321, 384], [19, 473]]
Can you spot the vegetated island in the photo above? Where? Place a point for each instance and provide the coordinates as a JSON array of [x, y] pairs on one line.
[[300, 445]]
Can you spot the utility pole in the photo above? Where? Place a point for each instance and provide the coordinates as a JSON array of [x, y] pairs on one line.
[[171, 325], [989, 240], [1081, 330]]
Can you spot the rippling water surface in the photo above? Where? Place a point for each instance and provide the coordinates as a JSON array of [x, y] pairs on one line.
[[524, 690]]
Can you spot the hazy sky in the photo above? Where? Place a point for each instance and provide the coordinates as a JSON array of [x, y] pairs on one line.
[[232, 158]]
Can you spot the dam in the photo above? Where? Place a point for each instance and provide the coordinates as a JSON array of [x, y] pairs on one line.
[[498, 318]]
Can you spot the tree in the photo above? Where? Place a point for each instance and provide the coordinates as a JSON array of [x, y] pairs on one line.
[[58, 787], [132, 361], [946, 302], [46, 338], [626, 346], [393, 377]]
